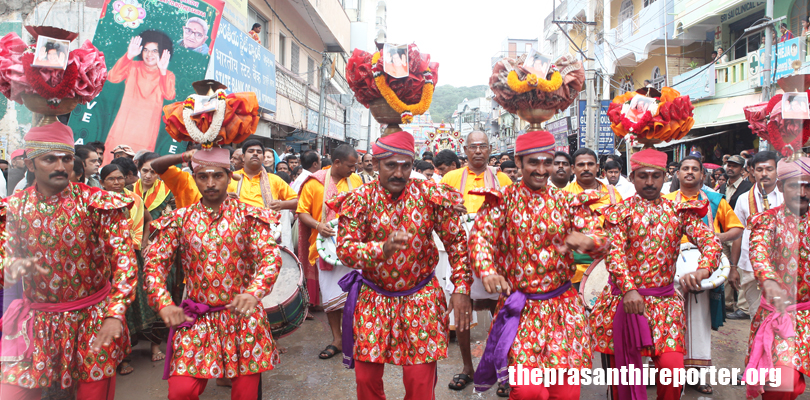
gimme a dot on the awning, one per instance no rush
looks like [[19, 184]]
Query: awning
[[725, 111], [688, 138]]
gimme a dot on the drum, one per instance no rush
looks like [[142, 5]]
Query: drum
[[286, 305], [688, 262], [593, 283], [327, 247]]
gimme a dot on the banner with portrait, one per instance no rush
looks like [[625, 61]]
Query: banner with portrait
[[154, 50]]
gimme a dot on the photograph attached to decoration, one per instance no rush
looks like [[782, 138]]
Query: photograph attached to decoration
[[51, 53], [795, 106], [638, 106], [396, 60], [537, 64], [204, 104]]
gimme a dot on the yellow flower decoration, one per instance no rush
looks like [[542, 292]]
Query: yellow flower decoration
[[532, 82]]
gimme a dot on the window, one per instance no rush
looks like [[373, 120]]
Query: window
[[311, 71], [554, 48], [282, 49], [648, 2], [627, 85], [512, 50], [255, 18], [658, 79], [528, 47], [294, 61]]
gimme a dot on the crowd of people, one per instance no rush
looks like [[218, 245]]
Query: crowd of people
[[179, 250]]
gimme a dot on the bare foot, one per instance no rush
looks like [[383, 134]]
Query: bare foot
[[281, 350], [224, 382]]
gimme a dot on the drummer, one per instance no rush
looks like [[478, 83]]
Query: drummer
[[644, 232], [727, 227], [221, 330], [475, 175], [314, 218], [541, 323]]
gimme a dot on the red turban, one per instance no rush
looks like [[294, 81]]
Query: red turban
[[17, 153], [649, 158], [52, 137], [792, 169], [395, 143], [534, 142], [215, 157]]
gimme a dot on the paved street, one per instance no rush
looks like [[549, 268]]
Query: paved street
[[302, 375]]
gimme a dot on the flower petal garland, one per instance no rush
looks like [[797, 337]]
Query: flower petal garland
[[83, 78], [556, 91], [208, 137], [671, 121], [241, 118], [409, 96]]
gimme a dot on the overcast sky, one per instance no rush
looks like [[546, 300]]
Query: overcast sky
[[462, 35]]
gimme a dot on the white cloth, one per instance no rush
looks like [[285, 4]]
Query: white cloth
[[417, 175], [21, 185], [698, 330], [437, 178], [332, 296], [775, 199], [3, 189], [625, 188], [286, 228], [298, 182], [443, 273]]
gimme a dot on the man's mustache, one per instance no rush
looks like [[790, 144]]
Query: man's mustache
[[649, 188], [57, 173], [397, 180]]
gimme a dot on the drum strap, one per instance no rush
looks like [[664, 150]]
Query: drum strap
[[328, 181], [753, 206], [612, 193]]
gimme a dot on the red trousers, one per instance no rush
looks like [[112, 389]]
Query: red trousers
[[96, 390], [669, 360], [245, 387], [792, 386], [562, 391], [419, 380]]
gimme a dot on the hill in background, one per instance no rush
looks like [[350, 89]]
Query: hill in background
[[447, 97]]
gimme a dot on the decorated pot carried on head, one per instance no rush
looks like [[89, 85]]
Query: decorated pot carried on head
[[50, 89], [536, 99], [213, 118], [393, 98], [783, 120], [650, 116]]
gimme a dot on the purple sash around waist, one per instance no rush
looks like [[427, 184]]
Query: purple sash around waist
[[631, 332], [193, 310], [351, 283], [495, 361]]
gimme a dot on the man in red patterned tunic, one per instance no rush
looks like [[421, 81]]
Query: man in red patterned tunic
[[521, 247], [71, 246], [645, 233], [780, 257], [230, 261], [395, 311]]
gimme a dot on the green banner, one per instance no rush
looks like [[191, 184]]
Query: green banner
[[154, 50]]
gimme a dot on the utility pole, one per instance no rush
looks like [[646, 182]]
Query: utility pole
[[322, 128], [591, 109], [368, 137], [766, 58]]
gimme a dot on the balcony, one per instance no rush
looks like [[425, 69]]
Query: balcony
[[633, 39], [329, 20]]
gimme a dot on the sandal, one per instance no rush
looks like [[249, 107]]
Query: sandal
[[503, 390], [329, 352], [125, 369], [705, 389], [158, 356], [460, 381]]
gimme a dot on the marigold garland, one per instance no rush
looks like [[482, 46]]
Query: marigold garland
[[532, 82], [407, 111], [54, 94]]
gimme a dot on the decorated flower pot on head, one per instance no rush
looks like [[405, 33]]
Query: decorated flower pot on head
[[650, 116], [50, 91], [233, 118], [536, 99], [392, 100], [766, 120]]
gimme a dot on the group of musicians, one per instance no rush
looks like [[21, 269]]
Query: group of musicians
[[71, 248]]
